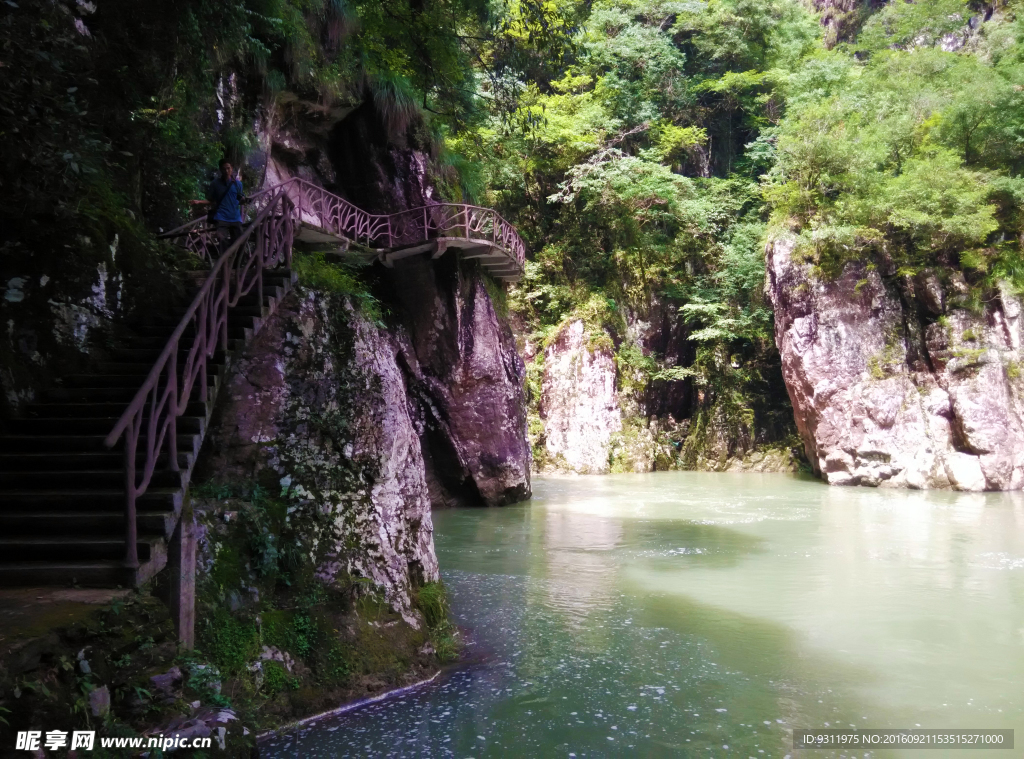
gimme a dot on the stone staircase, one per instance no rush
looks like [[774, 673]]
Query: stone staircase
[[68, 501], [62, 492]]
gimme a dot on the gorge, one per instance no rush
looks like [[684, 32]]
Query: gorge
[[714, 256]]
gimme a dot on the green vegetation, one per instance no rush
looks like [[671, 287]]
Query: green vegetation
[[272, 639], [638, 187], [432, 600], [894, 148], [317, 273], [658, 159]]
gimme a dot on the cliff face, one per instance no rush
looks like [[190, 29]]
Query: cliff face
[[457, 355], [466, 379], [319, 403], [894, 385], [579, 405], [600, 406]]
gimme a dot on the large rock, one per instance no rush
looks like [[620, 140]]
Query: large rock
[[458, 357], [579, 404], [466, 378], [883, 394], [319, 398]]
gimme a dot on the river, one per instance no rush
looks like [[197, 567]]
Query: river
[[693, 614]]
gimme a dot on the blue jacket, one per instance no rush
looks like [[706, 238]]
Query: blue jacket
[[229, 194]]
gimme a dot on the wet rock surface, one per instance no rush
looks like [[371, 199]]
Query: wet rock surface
[[892, 385]]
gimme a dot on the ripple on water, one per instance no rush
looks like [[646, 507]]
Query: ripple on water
[[561, 691], [677, 614]]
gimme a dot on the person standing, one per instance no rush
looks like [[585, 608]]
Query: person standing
[[224, 198]]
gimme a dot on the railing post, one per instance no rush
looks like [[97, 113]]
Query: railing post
[[131, 554], [223, 324], [172, 412], [289, 233], [203, 339], [264, 241]]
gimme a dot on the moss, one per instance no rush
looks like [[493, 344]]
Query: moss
[[276, 678], [969, 357], [317, 273], [498, 296], [721, 428], [230, 642], [125, 643], [432, 600], [344, 638]]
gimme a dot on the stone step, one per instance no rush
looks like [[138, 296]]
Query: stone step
[[101, 409], [68, 549], [149, 356], [159, 343], [62, 443], [89, 574], [82, 499], [121, 395], [90, 426], [131, 380], [62, 497], [62, 461], [83, 523], [92, 479]]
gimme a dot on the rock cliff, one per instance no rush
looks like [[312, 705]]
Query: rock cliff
[[601, 403], [319, 402], [466, 379], [457, 354], [579, 405], [895, 381]]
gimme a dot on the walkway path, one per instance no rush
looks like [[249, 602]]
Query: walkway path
[[93, 478]]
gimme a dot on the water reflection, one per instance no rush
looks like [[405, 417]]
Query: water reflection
[[685, 614], [581, 575]]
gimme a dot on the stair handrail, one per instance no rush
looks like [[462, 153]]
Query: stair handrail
[[235, 273], [388, 231], [279, 209]]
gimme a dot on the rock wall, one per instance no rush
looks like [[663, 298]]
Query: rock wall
[[466, 377], [895, 384], [457, 355], [599, 410], [579, 404], [319, 402]]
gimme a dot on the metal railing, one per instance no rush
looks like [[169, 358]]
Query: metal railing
[[319, 208], [265, 243]]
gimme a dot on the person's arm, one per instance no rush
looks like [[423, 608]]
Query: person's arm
[[209, 197]]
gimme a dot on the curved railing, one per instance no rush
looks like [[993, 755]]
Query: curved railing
[[320, 208], [266, 243]]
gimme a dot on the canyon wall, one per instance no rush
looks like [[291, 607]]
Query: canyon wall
[[319, 403], [600, 406], [458, 356], [899, 380]]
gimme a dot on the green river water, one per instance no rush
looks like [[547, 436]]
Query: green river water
[[693, 614]]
